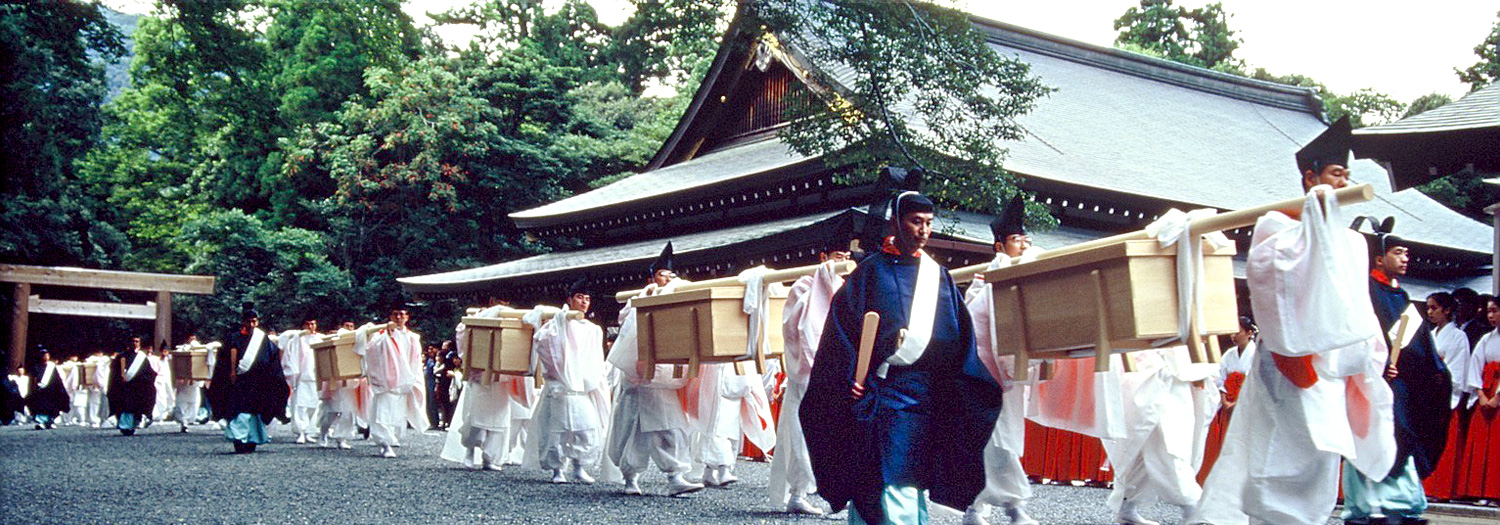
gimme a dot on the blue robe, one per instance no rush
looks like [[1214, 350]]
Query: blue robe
[[923, 425]]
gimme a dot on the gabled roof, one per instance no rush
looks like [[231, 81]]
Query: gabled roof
[[1462, 135]]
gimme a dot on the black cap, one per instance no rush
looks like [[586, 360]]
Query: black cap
[[581, 286], [892, 182], [247, 311], [1384, 239], [1331, 147], [663, 261], [909, 202], [1012, 219]]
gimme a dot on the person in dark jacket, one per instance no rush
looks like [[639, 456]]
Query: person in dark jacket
[[48, 398], [248, 388], [132, 387]]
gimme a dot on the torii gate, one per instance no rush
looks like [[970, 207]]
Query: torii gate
[[161, 310]]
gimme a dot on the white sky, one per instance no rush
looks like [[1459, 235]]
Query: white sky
[[1401, 48]]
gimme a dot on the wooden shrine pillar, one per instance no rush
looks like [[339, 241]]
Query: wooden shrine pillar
[[19, 315], [163, 320]]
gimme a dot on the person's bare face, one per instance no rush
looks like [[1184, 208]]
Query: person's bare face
[[1333, 175], [311, 325], [1242, 338], [663, 276], [1492, 313], [913, 232], [579, 302], [835, 256], [1393, 263], [400, 317], [1436, 313], [1014, 245], [135, 343]]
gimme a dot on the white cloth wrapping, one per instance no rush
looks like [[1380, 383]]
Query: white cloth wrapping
[[1175, 227], [806, 311], [1281, 453], [1234, 360]]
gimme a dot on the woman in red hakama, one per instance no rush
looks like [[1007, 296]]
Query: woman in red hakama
[[1480, 474]]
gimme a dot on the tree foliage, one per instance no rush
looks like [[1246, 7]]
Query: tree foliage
[[1487, 69], [1200, 37], [52, 88], [924, 88]]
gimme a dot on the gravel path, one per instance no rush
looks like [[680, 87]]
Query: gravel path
[[78, 475]]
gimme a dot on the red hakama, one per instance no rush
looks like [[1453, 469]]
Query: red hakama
[[1480, 477]]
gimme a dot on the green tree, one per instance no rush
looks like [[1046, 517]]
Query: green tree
[[668, 40], [282, 270], [430, 164], [923, 88], [1487, 70], [1200, 37], [1426, 103], [52, 88]]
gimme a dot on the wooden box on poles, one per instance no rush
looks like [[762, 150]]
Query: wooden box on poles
[[498, 346], [334, 359], [86, 371], [190, 365], [1118, 297], [707, 325]]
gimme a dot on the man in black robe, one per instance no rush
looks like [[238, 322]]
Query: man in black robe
[[916, 430], [1420, 388], [248, 388], [48, 397], [132, 387]]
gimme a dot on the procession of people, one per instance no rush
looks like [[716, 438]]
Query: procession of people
[[895, 399]]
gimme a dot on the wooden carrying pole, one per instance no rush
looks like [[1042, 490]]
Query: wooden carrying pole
[[773, 276], [513, 313], [1223, 221]]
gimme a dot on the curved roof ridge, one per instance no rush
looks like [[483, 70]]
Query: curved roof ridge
[[1159, 69]]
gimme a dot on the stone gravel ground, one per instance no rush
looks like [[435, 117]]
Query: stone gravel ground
[[85, 475]]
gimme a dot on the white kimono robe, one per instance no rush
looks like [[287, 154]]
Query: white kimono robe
[[1452, 345], [731, 406], [393, 366], [575, 402], [1280, 461], [650, 421], [166, 396], [298, 365], [1166, 425], [1005, 480], [806, 310], [483, 419]]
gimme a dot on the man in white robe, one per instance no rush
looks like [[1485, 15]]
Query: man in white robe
[[802, 327], [297, 363], [575, 399], [649, 423], [1167, 411], [1005, 482], [341, 406], [482, 422], [393, 366], [1314, 392], [166, 396], [189, 393]]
